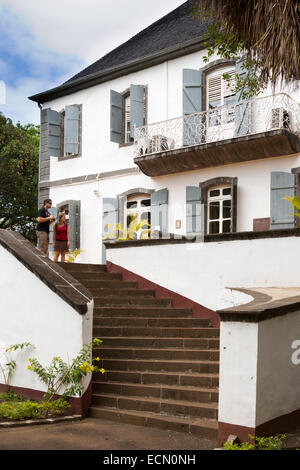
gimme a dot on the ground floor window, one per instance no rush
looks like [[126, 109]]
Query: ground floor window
[[219, 202], [138, 208]]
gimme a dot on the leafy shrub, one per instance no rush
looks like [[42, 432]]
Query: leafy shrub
[[27, 409], [260, 443]]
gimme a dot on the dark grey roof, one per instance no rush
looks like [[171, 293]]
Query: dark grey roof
[[175, 34]]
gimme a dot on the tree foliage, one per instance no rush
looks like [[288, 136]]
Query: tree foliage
[[266, 33], [19, 159]]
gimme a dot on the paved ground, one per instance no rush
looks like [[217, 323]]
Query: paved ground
[[94, 434]]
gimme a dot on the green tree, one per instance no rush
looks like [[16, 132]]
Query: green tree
[[19, 159]]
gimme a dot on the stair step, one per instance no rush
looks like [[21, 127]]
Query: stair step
[[134, 292], [149, 334], [115, 301], [155, 326], [157, 354], [157, 405], [150, 342], [110, 284], [83, 276], [156, 365], [204, 428], [165, 392], [203, 380], [140, 311], [78, 267]]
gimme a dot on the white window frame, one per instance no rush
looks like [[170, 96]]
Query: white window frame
[[127, 129], [218, 89], [139, 210], [220, 198]]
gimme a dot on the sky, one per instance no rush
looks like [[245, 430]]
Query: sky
[[44, 43]]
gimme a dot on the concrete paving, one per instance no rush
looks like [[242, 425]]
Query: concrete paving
[[96, 434]]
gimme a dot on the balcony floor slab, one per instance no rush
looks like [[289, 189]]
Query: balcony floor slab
[[275, 143]]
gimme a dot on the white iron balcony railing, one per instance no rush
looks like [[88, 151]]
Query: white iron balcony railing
[[254, 116]]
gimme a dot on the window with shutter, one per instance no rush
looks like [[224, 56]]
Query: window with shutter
[[64, 132], [220, 92], [128, 109]]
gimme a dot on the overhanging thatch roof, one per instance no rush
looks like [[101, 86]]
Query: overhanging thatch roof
[[269, 30]]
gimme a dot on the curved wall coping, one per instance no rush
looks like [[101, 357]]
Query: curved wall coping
[[50, 273], [262, 307]]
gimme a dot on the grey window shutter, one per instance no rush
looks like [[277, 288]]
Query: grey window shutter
[[74, 224], [159, 211], [137, 113], [193, 210], [282, 184], [116, 106], [44, 159], [242, 110], [71, 130], [109, 216], [53, 211], [54, 133], [192, 103]]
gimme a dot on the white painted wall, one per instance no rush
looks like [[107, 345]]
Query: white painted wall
[[32, 312], [253, 196], [203, 272], [278, 391], [238, 373], [258, 379]]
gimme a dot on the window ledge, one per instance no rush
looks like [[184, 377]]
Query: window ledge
[[68, 157]]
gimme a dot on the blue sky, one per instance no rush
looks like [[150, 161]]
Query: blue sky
[[42, 44]]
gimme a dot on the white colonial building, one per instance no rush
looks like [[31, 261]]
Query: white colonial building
[[154, 131]]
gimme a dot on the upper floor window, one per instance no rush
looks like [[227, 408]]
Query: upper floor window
[[220, 92], [128, 109], [64, 132]]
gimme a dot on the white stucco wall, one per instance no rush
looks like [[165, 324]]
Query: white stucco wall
[[259, 381], [31, 312], [203, 271], [238, 373], [278, 391], [253, 196]]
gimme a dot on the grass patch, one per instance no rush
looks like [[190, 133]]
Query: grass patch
[[14, 407]]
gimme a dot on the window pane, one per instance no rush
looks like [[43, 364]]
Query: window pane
[[214, 210], [226, 226], [146, 216], [214, 227], [131, 204], [214, 192], [145, 202], [226, 191], [227, 209]]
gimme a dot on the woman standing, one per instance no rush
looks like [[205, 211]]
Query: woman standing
[[61, 237]]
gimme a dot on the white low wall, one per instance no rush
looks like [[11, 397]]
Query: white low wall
[[259, 370], [31, 312], [205, 272]]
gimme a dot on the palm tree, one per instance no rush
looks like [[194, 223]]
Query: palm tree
[[268, 30]]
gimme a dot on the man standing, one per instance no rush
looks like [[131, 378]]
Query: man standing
[[42, 230]]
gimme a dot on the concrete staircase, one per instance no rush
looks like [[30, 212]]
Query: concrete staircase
[[162, 364]]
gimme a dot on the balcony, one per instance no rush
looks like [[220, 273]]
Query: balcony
[[248, 130]]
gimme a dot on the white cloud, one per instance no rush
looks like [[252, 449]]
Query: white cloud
[[88, 28], [58, 38], [17, 106]]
